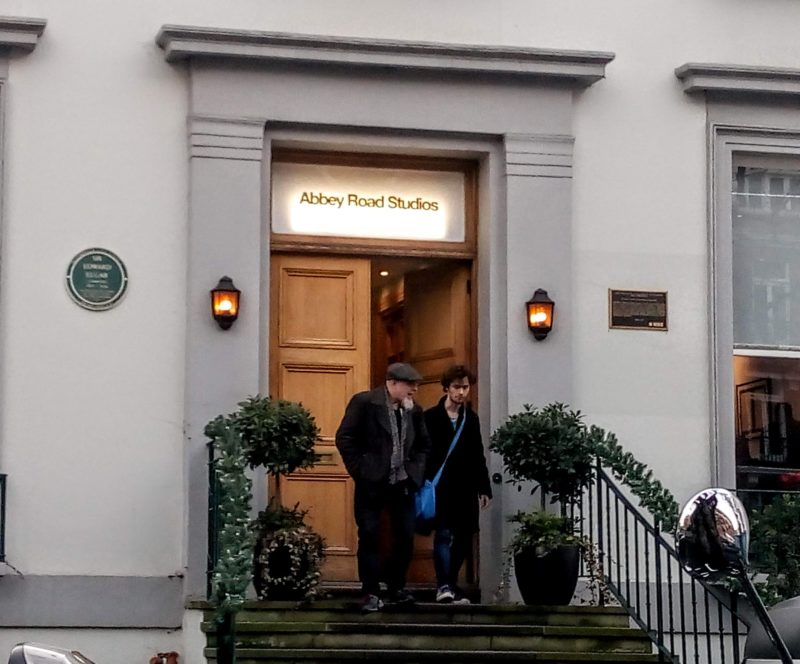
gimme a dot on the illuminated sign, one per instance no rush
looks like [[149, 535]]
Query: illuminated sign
[[347, 201]]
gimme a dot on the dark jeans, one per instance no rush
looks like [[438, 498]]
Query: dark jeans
[[370, 501], [450, 548]]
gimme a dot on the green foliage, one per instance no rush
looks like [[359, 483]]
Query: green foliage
[[541, 531], [652, 495], [553, 447], [550, 446], [277, 517], [234, 567], [277, 434], [775, 545]]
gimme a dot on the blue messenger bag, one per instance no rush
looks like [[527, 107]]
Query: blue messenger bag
[[426, 496]]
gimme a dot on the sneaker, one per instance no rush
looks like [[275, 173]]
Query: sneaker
[[445, 595], [461, 601], [371, 603], [401, 596]]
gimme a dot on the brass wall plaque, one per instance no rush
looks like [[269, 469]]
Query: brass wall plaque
[[637, 310]]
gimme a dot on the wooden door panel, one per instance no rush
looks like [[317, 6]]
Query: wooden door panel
[[329, 501], [318, 307], [320, 356]]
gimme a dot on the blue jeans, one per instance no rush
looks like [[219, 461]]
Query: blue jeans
[[450, 549]]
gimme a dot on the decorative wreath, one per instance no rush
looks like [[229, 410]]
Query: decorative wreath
[[288, 564]]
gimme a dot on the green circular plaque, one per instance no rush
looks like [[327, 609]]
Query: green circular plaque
[[96, 279]]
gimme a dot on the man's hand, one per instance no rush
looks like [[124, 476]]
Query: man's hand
[[484, 501]]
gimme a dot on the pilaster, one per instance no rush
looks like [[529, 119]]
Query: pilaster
[[538, 171], [226, 224]]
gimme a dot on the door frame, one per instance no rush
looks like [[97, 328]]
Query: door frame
[[366, 247]]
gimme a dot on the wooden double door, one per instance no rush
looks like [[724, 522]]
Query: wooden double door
[[325, 327]]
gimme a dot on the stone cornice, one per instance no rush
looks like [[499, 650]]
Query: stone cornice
[[20, 33], [738, 79], [578, 68]]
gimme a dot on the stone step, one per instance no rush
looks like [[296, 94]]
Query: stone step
[[345, 656], [340, 611], [423, 636]]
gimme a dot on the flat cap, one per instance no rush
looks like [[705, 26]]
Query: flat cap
[[404, 372]]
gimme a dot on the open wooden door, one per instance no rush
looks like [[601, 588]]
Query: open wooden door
[[320, 356], [437, 335], [437, 324]]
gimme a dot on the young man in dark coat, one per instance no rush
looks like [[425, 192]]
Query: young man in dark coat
[[384, 446], [464, 486]]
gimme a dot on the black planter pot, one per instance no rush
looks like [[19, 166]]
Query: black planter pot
[[548, 579]]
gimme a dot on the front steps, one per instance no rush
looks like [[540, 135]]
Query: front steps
[[335, 632]]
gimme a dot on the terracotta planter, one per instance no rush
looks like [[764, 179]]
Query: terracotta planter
[[549, 579]]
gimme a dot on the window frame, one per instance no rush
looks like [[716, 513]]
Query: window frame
[[727, 141]]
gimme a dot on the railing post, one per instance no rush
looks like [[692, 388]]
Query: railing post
[[213, 518], [659, 596], [600, 515]]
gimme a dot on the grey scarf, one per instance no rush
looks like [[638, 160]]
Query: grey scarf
[[397, 471]]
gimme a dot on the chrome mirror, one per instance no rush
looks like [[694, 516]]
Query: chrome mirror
[[36, 653], [713, 535]]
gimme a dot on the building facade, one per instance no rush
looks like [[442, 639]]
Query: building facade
[[640, 160]]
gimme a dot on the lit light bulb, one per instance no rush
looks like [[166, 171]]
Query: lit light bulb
[[538, 317], [384, 273], [225, 305]]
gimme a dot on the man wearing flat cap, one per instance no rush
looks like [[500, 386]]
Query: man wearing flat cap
[[384, 446]]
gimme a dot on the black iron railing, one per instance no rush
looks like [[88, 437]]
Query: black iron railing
[[687, 619], [213, 518], [2, 518]]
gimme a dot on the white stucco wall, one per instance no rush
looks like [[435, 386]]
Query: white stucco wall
[[91, 404]]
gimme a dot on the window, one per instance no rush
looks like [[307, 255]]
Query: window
[[765, 226]]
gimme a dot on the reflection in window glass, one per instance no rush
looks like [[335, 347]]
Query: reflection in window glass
[[767, 426]]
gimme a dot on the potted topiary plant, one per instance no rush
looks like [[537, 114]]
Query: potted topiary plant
[[288, 555], [279, 436], [553, 448]]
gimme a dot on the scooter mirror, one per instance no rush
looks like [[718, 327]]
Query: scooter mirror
[[36, 653], [713, 535]]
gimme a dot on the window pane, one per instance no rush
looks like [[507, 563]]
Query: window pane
[[766, 256], [767, 427]]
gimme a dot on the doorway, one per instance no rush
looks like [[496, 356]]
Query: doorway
[[336, 323]]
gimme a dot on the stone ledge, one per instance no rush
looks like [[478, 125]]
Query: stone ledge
[[20, 33], [738, 79], [577, 68]]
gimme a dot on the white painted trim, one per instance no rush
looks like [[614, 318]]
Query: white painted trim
[[578, 68], [768, 352]]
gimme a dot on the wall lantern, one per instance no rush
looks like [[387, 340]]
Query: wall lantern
[[540, 314], [225, 302]]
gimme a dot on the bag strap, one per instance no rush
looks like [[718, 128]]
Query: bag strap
[[435, 480]]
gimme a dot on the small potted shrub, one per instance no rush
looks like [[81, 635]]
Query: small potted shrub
[[288, 555], [552, 447]]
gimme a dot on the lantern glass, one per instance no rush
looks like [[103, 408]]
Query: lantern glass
[[539, 310], [225, 302]]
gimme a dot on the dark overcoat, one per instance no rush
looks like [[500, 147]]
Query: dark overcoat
[[465, 475], [364, 439]]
